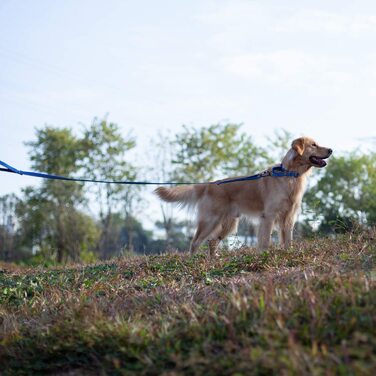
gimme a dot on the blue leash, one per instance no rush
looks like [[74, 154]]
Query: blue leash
[[14, 170], [277, 171]]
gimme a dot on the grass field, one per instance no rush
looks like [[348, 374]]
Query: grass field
[[307, 311]]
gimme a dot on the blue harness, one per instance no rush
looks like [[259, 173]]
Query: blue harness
[[278, 171]]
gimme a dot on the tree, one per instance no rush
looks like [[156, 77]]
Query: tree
[[105, 158], [120, 236], [345, 192], [162, 152], [135, 236], [8, 204], [49, 215], [177, 240], [215, 152], [278, 145]]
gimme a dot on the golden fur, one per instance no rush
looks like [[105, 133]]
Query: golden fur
[[274, 200]]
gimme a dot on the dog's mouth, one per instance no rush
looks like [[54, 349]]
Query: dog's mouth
[[317, 161]]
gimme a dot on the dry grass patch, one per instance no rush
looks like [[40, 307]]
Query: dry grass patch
[[309, 310]]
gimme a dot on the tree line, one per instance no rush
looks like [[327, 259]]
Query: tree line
[[59, 221]]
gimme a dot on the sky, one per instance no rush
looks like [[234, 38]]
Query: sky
[[306, 66]]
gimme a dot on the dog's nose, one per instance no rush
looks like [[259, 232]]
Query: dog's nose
[[330, 151]]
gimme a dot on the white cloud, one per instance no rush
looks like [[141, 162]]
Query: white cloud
[[316, 47], [253, 16], [237, 26], [292, 67], [232, 25], [234, 14], [319, 21]]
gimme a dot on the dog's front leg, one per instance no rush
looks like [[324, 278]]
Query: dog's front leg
[[264, 232], [287, 236], [213, 246], [286, 229]]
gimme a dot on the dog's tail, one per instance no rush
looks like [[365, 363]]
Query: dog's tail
[[185, 195]]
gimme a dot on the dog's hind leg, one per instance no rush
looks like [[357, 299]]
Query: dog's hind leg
[[204, 229], [229, 225]]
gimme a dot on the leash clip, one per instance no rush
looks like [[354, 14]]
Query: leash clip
[[265, 173]]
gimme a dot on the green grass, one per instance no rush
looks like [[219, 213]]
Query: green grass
[[310, 310]]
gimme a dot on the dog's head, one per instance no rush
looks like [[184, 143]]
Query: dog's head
[[305, 152]]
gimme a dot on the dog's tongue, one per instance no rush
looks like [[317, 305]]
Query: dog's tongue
[[318, 161]]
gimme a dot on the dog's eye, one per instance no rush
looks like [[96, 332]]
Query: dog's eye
[[314, 145]]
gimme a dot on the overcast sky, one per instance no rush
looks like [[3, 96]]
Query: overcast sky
[[306, 66]]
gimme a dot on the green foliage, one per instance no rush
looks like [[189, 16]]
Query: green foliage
[[54, 232], [177, 240], [214, 152], [134, 237], [55, 151], [278, 144], [105, 159], [105, 156], [345, 192], [8, 204], [49, 216]]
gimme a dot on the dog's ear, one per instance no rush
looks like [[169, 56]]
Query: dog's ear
[[298, 145]]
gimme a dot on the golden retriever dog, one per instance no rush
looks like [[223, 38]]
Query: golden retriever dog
[[274, 200]]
